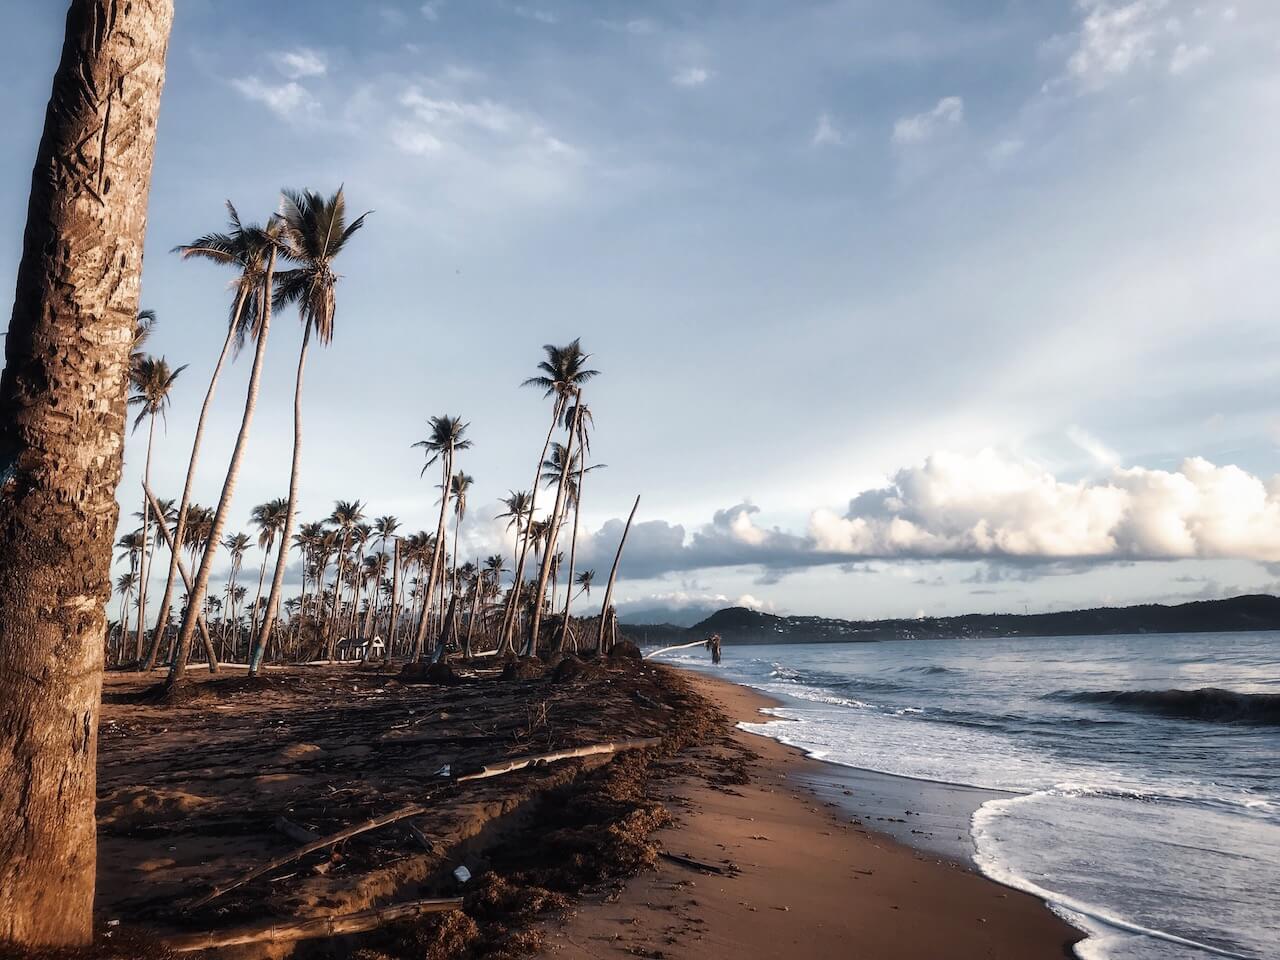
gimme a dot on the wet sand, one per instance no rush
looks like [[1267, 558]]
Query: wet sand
[[803, 877]]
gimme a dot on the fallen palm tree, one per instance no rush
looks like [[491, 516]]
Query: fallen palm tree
[[311, 928], [485, 771], [679, 646]]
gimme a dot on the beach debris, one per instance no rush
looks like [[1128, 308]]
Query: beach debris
[[693, 864], [310, 928], [462, 874], [296, 833], [414, 809]]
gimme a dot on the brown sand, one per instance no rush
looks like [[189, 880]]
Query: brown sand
[[811, 885]]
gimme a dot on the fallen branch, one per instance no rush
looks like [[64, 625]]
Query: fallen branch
[[309, 929], [693, 864], [520, 763], [413, 809], [679, 646]]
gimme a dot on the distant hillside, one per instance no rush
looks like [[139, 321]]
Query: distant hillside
[[740, 625]]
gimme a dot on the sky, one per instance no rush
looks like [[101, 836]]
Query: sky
[[901, 309]]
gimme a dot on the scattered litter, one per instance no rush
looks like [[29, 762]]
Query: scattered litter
[[462, 874]]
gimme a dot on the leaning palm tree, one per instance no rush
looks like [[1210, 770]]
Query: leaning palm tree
[[269, 519], [315, 232], [247, 250], [346, 515], [265, 243], [579, 416], [237, 545], [151, 380], [563, 373], [448, 436]]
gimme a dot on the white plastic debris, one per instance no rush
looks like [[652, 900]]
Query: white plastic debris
[[443, 771], [462, 874]]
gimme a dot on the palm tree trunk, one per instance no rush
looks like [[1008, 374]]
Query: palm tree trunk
[[337, 596], [508, 624], [257, 597], [393, 622], [613, 573], [163, 527], [277, 578], [142, 564], [573, 546], [548, 555], [436, 558], [62, 427], [181, 526], [201, 586]]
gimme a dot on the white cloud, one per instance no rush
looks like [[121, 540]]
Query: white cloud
[[989, 505], [1185, 57], [1113, 39], [691, 77], [1004, 151], [947, 114], [431, 10], [535, 13], [826, 133], [289, 100], [299, 63], [1095, 448]]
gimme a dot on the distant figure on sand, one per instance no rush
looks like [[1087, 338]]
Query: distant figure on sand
[[713, 644]]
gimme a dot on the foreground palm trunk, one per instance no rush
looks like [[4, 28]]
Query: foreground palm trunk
[[62, 425]]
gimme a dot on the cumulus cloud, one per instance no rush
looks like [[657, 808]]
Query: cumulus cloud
[[299, 63], [988, 505], [691, 77], [946, 115], [1185, 57], [1113, 39]]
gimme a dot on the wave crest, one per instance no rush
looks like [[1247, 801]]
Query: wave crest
[[1209, 704]]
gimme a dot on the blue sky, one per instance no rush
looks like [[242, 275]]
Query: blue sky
[[925, 306]]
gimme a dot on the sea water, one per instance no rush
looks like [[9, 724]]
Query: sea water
[[1143, 771]]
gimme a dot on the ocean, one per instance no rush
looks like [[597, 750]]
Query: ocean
[[1141, 774]]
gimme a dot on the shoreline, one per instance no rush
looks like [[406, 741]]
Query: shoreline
[[813, 875]]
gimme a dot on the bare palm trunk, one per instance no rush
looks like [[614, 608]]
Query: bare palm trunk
[[257, 597], [573, 547], [62, 427], [142, 565], [163, 526], [337, 597], [200, 588], [277, 578], [395, 598], [508, 625], [613, 574], [436, 558], [548, 555], [180, 527]]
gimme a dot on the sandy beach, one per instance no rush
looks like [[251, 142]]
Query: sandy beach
[[707, 842], [802, 880]]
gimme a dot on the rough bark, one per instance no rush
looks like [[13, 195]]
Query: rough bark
[[277, 578], [200, 588], [62, 427]]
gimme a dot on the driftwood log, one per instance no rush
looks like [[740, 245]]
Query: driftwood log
[[414, 809], [309, 929]]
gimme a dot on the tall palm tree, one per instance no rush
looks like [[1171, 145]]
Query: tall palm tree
[[269, 519], [346, 515], [260, 242], [575, 475], [144, 325], [246, 249], [315, 232], [237, 545], [62, 428], [448, 436], [585, 579], [151, 381], [458, 488], [126, 584], [563, 372]]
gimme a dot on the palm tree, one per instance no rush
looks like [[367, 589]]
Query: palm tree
[[579, 416], [269, 519], [315, 232], [258, 243], [62, 431], [447, 438], [237, 545], [584, 581], [563, 374], [151, 379], [247, 250], [126, 583], [458, 488], [143, 325], [346, 515]]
